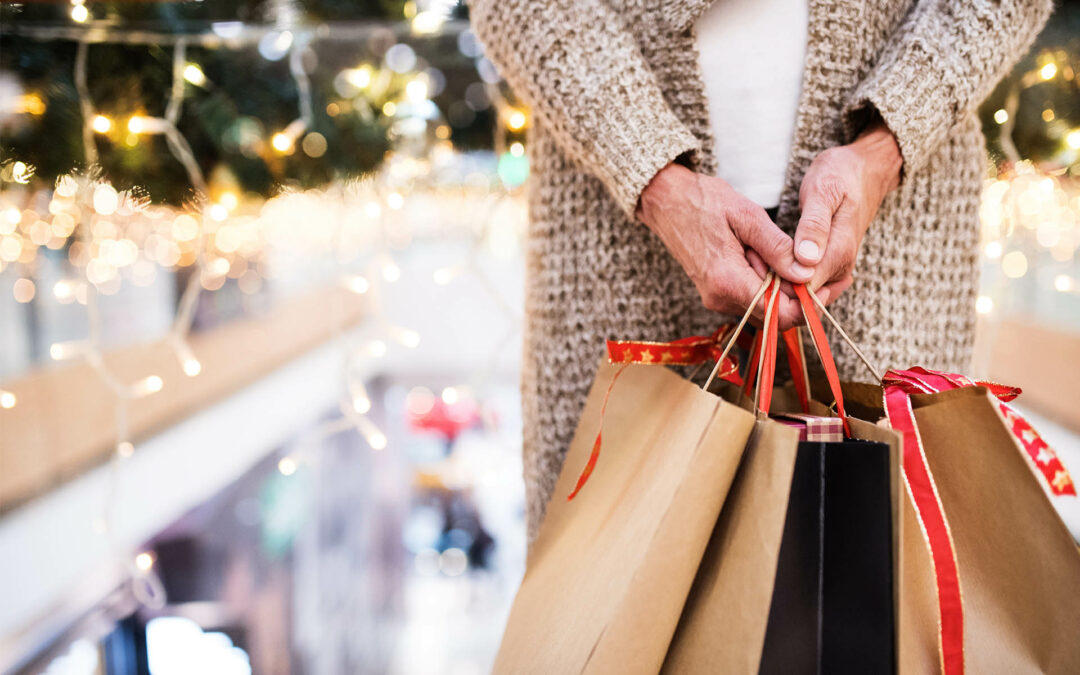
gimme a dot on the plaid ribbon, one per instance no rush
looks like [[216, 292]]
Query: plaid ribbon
[[814, 428]]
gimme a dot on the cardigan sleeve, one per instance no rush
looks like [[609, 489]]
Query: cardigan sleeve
[[941, 63], [584, 76]]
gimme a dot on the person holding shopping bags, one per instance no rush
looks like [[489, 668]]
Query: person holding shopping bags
[[681, 148]]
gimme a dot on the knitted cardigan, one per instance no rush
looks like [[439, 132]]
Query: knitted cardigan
[[616, 92]]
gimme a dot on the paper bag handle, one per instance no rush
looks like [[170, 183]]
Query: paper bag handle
[[765, 352], [797, 365], [770, 279], [821, 344]]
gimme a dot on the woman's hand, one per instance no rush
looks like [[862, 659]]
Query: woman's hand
[[840, 194], [709, 228]]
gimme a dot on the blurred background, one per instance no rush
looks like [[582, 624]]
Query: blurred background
[[260, 325]]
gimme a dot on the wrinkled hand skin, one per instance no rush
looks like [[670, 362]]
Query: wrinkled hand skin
[[711, 229], [840, 194]]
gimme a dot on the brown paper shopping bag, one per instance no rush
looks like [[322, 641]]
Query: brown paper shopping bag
[[1018, 565], [607, 577], [774, 591], [989, 574], [723, 626]]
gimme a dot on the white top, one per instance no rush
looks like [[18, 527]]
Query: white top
[[752, 54]]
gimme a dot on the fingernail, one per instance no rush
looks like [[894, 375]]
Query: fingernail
[[809, 250], [800, 270]]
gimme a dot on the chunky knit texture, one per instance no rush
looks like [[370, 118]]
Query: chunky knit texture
[[616, 93]]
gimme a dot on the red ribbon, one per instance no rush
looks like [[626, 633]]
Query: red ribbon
[[690, 351], [1043, 458], [899, 385], [931, 517], [821, 342], [793, 349], [793, 344]]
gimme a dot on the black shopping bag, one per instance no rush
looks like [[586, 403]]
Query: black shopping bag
[[832, 605]]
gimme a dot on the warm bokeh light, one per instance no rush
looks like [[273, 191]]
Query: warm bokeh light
[[101, 124], [144, 561], [194, 74], [1014, 264], [148, 385], [281, 142], [357, 284], [24, 290], [516, 120], [314, 145]]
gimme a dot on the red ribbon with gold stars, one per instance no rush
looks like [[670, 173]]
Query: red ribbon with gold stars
[[690, 351]]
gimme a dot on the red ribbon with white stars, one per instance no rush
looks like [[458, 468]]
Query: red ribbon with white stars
[[898, 386]]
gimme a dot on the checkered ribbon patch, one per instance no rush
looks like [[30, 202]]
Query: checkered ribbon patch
[[814, 428]]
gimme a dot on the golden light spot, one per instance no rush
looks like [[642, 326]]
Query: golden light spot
[[281, 142], [101, 124], [516, 121], [194, 74]]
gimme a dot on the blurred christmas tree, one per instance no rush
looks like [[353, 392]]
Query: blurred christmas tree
[[1034, 113], [238, 99]]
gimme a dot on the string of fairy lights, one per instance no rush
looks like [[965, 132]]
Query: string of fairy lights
[[1024, 202], [113, 236]]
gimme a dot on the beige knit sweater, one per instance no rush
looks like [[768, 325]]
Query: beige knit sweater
[[616, 92]]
